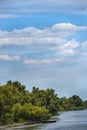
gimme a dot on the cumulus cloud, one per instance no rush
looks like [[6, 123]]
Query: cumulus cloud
[[68, 27], [67, 48], [28, 36], [54, 39], [72, 44], [9, 58]]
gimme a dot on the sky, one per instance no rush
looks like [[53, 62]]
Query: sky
[[44, 44]]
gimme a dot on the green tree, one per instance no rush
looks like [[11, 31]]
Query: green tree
[[19, 86], [76, 102], [85, 104]]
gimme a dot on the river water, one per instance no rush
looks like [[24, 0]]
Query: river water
[[71, 120]]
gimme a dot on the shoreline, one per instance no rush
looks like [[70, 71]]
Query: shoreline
[[20, 125], [26, 124]]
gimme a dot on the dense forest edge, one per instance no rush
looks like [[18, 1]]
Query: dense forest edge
[[20, 105]]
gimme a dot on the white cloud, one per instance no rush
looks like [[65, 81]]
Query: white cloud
[[68, 27], [15, 41], [3, 16], [67, 52], [44, 61], [30, 61], [46, 6], [9, 58], [67, 48], [84, 44], [53, 35], [54, 39], [70, 44], [55, 6], [29, 41]]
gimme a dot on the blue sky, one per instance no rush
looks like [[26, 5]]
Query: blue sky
[[44, 44]]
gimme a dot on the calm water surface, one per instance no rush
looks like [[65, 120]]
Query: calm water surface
[[72, 120]]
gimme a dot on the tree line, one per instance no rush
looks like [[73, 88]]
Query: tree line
[[20, 105]]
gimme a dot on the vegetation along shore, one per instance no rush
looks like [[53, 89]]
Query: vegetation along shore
[[18, 105]]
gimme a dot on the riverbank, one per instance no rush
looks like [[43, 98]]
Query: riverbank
[[70, 120], [26, 124], [19, 105], [19, 125]]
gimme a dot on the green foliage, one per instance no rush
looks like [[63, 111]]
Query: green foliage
[[28, 112], [85, 104], [47, 98], [72, 103], [19, 105], [20, 87], [76, 102], [16, 104]]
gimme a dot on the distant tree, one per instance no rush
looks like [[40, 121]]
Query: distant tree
[[20, 87], [9, 82], [76, 102], [85, 104]]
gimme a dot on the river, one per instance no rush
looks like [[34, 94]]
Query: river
[[71, 120]]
